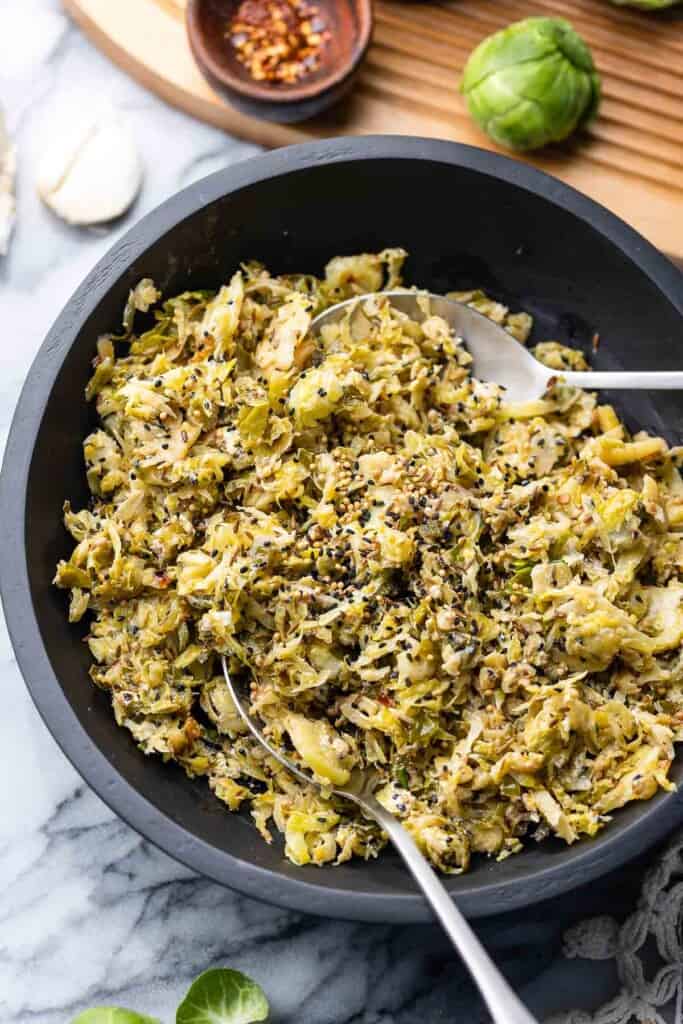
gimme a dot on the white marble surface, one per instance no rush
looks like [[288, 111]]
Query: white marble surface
[[89, 913]]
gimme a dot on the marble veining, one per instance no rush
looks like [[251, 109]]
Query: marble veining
[[89, 912]]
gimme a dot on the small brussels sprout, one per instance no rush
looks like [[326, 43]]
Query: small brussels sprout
[[532, 83], [647, 5]]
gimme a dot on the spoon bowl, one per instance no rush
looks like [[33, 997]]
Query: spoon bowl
[[361, 785], [496, 355]]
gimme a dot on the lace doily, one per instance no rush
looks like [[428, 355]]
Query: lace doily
[[653, 932]]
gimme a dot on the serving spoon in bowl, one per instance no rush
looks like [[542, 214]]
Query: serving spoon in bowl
[[504, 1005], [498, 357]]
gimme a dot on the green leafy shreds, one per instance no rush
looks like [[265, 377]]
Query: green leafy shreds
[[223, 996], [113, 1015], [479, 599]]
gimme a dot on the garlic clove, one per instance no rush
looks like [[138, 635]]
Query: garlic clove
[[7, 172], [92, 172]]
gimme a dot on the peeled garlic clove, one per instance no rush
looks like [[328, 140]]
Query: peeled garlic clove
[[7, 171], [91, 172]]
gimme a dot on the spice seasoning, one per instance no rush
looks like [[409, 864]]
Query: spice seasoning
[[278, 40]]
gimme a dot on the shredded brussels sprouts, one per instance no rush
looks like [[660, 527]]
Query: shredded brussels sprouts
[[480, 599]]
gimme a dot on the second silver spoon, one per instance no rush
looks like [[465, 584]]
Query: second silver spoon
[[504, 1005]]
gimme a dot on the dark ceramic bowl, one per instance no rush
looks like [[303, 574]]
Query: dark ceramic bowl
[[468, 218], [350, 25]]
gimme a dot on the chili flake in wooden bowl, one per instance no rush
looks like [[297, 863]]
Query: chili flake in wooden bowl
[[281, 60], [278, 40]]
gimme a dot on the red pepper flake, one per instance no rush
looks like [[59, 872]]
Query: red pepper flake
[[385, 699], [278, 40]]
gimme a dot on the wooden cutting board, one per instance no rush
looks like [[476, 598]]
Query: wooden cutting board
[[631, 160]]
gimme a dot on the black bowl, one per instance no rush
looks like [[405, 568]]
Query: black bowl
[[468, 218]]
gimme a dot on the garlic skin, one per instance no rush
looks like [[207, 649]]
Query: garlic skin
[[91, 171], [7, 172]]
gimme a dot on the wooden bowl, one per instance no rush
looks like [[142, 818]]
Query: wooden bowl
[[350, 25]]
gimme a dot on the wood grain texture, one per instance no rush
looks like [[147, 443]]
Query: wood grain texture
[[631, 159]]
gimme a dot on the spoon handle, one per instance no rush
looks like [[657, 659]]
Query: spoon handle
[[630, 380], [504, 1005]]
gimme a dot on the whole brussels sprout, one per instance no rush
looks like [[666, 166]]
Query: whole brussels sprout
[[532, 83], [647, 5]]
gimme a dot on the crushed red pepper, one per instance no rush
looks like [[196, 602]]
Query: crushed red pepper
[[278, 40]]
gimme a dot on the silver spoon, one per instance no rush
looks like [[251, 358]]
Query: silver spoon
[[498, 357], [503, 1004]]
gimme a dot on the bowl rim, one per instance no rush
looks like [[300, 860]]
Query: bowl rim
[[592, 858], [291, 94]]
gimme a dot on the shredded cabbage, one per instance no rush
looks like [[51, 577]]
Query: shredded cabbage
[[481, 600]]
